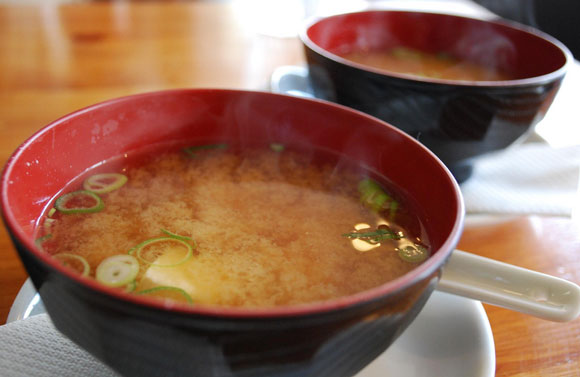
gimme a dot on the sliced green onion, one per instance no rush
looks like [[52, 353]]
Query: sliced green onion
[[276, 147], [104, 183], [192, 151], [117, 270], [379, 200], [180, 237], [48, 225], [141, 253], [51, 212], [131, 286], [160, 289], [373, 196], [374, 235], [76, 262], [393, 208], [413, 253], [76, 202], [39, 241]]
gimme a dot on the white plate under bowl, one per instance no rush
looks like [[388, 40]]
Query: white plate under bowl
[[451, 337]]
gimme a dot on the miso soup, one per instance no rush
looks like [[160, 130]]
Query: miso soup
[[424, 64], [244, 227]]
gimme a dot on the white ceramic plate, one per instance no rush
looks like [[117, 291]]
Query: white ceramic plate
[[451, 337]]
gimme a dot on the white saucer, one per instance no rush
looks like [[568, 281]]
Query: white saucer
[[451, 337]]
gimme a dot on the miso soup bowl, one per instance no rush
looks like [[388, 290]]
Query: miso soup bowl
[[140, 336], [458, 120]]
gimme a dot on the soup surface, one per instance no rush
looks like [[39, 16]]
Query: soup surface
[[219, 225], [414, 62]]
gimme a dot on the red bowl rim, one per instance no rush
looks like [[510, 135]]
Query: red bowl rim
[[536, 80], [426, 269]]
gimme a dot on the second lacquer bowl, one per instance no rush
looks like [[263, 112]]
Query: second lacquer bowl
[[457, 118]]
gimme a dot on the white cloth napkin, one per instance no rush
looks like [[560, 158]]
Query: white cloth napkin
[[34, 348], [527, 179]]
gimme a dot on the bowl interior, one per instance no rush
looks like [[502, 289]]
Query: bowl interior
[[57, 154], [522, 52]]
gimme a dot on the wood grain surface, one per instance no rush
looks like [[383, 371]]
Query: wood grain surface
[[55, 59]]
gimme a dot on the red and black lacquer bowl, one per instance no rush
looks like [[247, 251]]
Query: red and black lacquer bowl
[[457, 120], [138, 336]]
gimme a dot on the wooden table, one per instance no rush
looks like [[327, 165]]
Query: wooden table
[[56, 59]]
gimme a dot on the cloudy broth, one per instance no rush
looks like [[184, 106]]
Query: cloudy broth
[[432, 65], [221, 225]]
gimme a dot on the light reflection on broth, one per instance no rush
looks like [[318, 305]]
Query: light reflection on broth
[[252, 228], [362, 245], [418, 63]]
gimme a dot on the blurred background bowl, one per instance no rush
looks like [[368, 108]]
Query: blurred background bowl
[[457, 120]]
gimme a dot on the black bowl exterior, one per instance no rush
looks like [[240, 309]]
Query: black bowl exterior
[[457, 122], [136, 340]]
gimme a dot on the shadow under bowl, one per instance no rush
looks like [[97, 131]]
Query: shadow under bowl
[[457, 120], [141, 336]]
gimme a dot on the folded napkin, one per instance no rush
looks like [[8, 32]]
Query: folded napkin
[[527, 179], [34, 348]]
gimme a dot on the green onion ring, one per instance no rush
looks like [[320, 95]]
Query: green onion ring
[[179, 237], [117, 270], [138, 250], [98, 183], [66, 258], [166, 288], [413, 253], [131, 286], [39, 241], [60, 203]]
